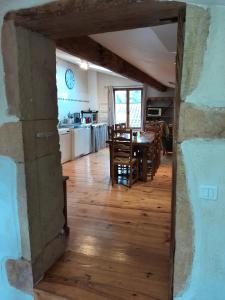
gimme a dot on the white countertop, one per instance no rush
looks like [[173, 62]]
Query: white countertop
[[70, 126]]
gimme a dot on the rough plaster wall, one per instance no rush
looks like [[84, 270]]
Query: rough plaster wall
[[10, 230], [200, 239]]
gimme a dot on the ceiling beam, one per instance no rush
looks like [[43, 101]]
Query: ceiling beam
[[88, 49], [71, 18]]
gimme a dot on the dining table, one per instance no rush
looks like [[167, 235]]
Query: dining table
[[140, 142]]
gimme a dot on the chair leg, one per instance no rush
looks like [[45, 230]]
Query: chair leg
[[137, 171], [130, 176], [113, 175]]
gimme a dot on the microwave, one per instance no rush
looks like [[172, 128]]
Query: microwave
[[154, 112]]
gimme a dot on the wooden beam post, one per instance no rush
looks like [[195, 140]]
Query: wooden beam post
[[86, 48], [71, 18]]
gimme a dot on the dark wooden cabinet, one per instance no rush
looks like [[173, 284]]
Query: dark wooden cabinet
[[165, 106]]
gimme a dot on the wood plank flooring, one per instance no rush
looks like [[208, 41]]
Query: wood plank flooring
[[118, 247]]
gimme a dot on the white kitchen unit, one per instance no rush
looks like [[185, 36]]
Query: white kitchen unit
[[65, 142], [81, 141]]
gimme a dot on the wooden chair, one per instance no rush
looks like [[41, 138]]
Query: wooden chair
[[122, 156], [110, 131], [110, 137], [166, 137], [154, 153]]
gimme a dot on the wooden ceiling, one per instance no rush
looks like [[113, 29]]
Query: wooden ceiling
[[65, 20], [72, 18]]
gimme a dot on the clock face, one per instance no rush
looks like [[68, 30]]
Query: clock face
[[69, 78]]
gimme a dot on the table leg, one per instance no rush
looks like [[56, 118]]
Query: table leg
[[111, 161], [144, 165]]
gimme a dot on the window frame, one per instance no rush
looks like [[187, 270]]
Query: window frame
[[128, 89]]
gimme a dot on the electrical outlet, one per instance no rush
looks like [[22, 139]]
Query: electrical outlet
[[208, 192]]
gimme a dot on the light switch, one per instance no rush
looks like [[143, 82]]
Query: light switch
[[208, 192]]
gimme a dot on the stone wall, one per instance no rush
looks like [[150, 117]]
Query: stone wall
[[15, 256], [31, 190], [200, 239], [29, 147]]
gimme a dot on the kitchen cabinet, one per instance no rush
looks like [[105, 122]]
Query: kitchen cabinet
[[65, 145], [99, 136], [81, 141]]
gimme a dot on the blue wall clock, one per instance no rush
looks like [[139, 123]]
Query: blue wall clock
[[70, 79]]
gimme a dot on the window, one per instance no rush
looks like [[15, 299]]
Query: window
[[128, 106]]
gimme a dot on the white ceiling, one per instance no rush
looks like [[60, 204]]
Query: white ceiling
[[77, 61], [151, 49]]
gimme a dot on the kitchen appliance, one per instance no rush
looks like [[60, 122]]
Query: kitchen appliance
[[81, 142], [88, 120], [91, 116], [65, 144], [154, 112], [77, 118]]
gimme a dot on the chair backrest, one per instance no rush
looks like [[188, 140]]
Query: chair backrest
[[152, 126], [110, 132], [157, 128], [122, 143]]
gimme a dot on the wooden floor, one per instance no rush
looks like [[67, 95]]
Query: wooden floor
[[119, 243]]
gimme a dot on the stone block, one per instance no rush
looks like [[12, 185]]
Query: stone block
[[45, 201], [40, 138], [200, 123], [51, 196], [10, 61], [196, 34], [34, 210], [23, 212], [37, 76], [43, 79], [50, 254]]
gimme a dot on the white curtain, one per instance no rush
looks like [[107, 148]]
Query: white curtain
[[111, 109], [143, 106]]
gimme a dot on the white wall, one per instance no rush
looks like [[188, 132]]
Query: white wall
[[76, 99], [203, 153], [90, 90], [93, 89], [104, 81]]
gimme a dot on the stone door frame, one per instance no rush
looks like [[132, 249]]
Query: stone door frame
[[16, 44]]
